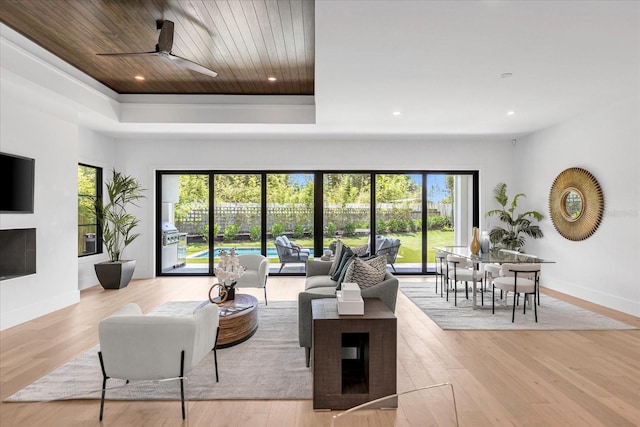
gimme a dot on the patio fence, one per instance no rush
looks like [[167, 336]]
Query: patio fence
[[246, 215]]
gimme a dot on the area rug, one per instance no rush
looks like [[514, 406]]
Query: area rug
[[553, 314], [270, 365]]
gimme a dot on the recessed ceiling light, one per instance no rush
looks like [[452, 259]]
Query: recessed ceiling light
[[139, 78], [396, 113], [271, 79], [506, 75], [510, 113]]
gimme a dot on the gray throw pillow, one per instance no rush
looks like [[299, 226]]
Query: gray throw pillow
[[336, 258], [366, 273], [345, 254]]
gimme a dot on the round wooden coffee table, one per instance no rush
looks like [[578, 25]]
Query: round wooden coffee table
[[237, 326]]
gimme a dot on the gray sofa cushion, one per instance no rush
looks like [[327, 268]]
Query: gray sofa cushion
[[315, 282]]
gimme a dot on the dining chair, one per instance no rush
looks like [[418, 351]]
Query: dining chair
[[519, 279], [530, 256], [458, 271]]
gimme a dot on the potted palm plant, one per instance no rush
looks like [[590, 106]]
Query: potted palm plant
[[516, 226], [118, 227]]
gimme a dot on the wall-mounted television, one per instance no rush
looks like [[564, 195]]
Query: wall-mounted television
[[17, 178]]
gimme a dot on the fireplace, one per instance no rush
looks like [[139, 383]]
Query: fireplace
[[17, 252]]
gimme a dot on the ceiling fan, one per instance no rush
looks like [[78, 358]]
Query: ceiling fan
[[163, 49]]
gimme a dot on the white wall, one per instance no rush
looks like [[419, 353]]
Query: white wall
[[29, 128], [603, 268], [96, 150], [141, 158]]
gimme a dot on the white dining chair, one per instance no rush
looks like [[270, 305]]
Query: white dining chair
[[519, 279], [458, 271]]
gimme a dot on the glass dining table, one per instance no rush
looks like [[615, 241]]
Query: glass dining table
[[494, 256]]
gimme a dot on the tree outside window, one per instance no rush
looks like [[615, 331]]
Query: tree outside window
[[89, 191]]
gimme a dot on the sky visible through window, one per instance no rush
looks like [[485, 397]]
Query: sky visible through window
[[436, 182]]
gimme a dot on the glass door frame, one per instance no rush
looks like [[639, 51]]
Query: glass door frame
[[318, 234]]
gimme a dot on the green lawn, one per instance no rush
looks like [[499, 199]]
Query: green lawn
[[410, 245]]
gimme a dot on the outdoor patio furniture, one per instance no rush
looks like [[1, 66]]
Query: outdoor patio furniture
[[389, 248], [290, 252]]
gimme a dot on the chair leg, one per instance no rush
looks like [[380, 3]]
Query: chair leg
[[513, 314], [447, 290], [394, 268], [466, 290], [493, 299], [281, 267], [455, 292], [215, 353], [104, 384], [535, 309], [307, 355], [265, 295], [182, 384]]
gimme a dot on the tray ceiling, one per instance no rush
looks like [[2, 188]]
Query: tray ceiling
[[245, 42]]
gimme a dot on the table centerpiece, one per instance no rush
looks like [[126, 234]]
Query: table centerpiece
[[228, 272]]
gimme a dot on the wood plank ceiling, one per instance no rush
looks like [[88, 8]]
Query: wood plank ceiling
[[244, 41]]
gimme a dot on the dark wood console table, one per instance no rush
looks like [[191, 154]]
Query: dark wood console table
[[354, 357]]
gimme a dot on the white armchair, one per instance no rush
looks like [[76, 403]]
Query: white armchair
[[137, 347], [255, 273]]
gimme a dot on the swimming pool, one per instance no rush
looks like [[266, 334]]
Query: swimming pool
[[271, 253]]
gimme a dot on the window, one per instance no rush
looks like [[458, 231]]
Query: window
[[402, 215], [89, 191]]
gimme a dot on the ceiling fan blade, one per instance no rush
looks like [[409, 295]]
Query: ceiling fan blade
[[192, 65], [165, 39], [154, 53]]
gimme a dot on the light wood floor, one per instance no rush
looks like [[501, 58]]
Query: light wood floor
[[520, 378]]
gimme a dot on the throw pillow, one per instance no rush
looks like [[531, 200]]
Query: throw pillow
[[367, 273], [345, 254], [336, 258], [360, 250], [345, 268]]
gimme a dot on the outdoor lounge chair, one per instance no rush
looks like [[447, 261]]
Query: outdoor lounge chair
[[289, 252], [389, 248]]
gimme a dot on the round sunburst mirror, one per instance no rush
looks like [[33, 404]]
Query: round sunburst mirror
[[576, 204]]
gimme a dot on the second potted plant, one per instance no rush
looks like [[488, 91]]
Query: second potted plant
[[118, 227], [516, 226]]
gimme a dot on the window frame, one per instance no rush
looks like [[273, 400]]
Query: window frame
[[97, 198]]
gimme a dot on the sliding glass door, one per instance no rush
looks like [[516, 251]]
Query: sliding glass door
[[184, 223], [400, 215], [346, 209], [237, 213], [290, 207], [452, 205], [399, 221]]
